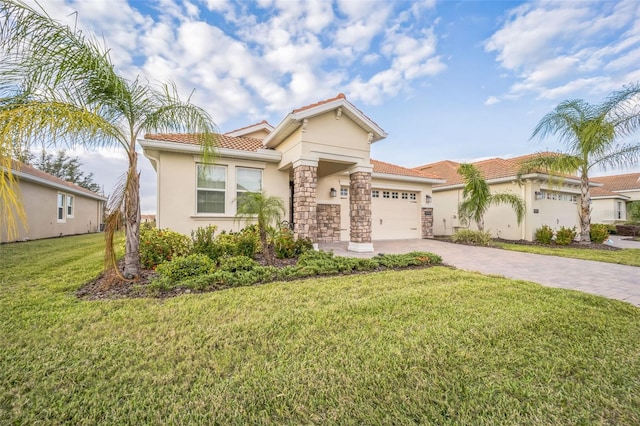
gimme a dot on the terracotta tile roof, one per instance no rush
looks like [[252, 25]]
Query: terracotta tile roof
[[326, 101], [493, 168], [599, 191], [223, 141], [392, 169], [247, 127], [626, 182], [32, 171]]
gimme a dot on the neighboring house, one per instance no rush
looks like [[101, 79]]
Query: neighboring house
[[317, 160], [609, 203], [549, 201], [54, 207]]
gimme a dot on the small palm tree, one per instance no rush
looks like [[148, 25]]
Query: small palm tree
[[477, 198], [590, 134], [264, 211], [58, 86]]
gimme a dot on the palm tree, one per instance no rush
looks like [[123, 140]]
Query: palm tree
[[59, 87], [589, 134], [265, 210], [477, 198]]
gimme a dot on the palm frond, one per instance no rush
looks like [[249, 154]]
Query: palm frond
[[514, 201], [623, 155], [11, 210]]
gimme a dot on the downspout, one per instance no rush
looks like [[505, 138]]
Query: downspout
[[156, 161]]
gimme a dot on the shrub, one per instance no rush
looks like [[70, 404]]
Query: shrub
[[238, 263], [633, 211], [467, 236], [183, 267], [544, 234], [160, 245], [247, 241], [565, 236], [599, 232], [203, 239], [286, 246]]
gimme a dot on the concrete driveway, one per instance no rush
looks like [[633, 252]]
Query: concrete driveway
[[604, 279]]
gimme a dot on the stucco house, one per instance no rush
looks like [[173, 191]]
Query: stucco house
[[317, 160], [53, 206], [609, 202], [549, 201]]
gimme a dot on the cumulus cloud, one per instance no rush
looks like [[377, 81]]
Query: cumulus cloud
[[555, 48]]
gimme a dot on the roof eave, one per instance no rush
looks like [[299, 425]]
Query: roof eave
[[406, 178], [55, 185], [260, 154]]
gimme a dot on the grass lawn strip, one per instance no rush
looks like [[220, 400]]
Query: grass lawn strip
[[430, 346], [629, 257]]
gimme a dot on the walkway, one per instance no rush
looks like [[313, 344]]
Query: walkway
[[604, 279]]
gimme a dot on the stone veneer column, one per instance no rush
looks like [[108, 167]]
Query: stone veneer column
[[360, 212], [427, 222], [305, 180]]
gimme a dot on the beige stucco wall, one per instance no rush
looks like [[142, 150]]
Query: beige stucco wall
[[501, 220], [328, 137], [176, 174], [605, 210], [40, 205]]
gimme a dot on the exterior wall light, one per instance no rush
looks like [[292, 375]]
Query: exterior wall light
[[427, 199], [333, 192], [539, 195]]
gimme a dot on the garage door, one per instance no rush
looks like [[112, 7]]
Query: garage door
[[394, 215]]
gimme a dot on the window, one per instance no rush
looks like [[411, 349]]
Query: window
[[385, 194], [394, 195], [69, 205], [412, 196], [375, 193], [247, 180], [61, 206], [405, 196], [210, 187], [344, 192], [619, 210]]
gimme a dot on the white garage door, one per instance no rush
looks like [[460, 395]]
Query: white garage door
[[394, 215]]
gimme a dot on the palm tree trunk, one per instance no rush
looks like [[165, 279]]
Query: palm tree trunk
[[480, 224], [132, 219], [585, 210], [266, 249]]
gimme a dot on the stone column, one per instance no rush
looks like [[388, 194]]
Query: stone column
[[305, 180], [427, 222], [360, 212]]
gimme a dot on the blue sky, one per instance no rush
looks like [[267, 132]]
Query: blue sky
[[458, 80]]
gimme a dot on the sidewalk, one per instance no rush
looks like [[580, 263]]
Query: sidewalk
[[610, 280]]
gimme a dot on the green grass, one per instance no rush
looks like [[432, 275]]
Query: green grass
[[629, 257], [435, 346]]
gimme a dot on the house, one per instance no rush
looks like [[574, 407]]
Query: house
[[317, 160], [549, 200], [609, 202], [53, 206]]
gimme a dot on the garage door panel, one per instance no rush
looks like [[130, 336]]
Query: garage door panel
[[394, 218]]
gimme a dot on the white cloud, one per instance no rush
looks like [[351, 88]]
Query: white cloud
[[557, 49], [491, 100]]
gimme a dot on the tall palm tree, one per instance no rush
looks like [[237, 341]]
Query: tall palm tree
[[58, 86], [264, 210], [590, 134], [477, 198]]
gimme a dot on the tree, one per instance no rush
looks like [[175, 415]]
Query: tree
[[67, 168], [57, 86], [589, 134], [633, 211], [477, 198], [265, 210]]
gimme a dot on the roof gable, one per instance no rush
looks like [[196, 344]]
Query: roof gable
[[263, 126], [340, 104]]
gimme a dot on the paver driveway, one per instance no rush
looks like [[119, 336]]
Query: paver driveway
[[604, 279]]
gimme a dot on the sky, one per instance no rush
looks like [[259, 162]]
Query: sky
[[447, 80]]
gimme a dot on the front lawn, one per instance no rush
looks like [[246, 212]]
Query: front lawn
[[433, 345]]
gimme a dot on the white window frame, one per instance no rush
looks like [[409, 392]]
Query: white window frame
[[344, 192], [70, 206], [239, 191], [223, 190], [61, 210]]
